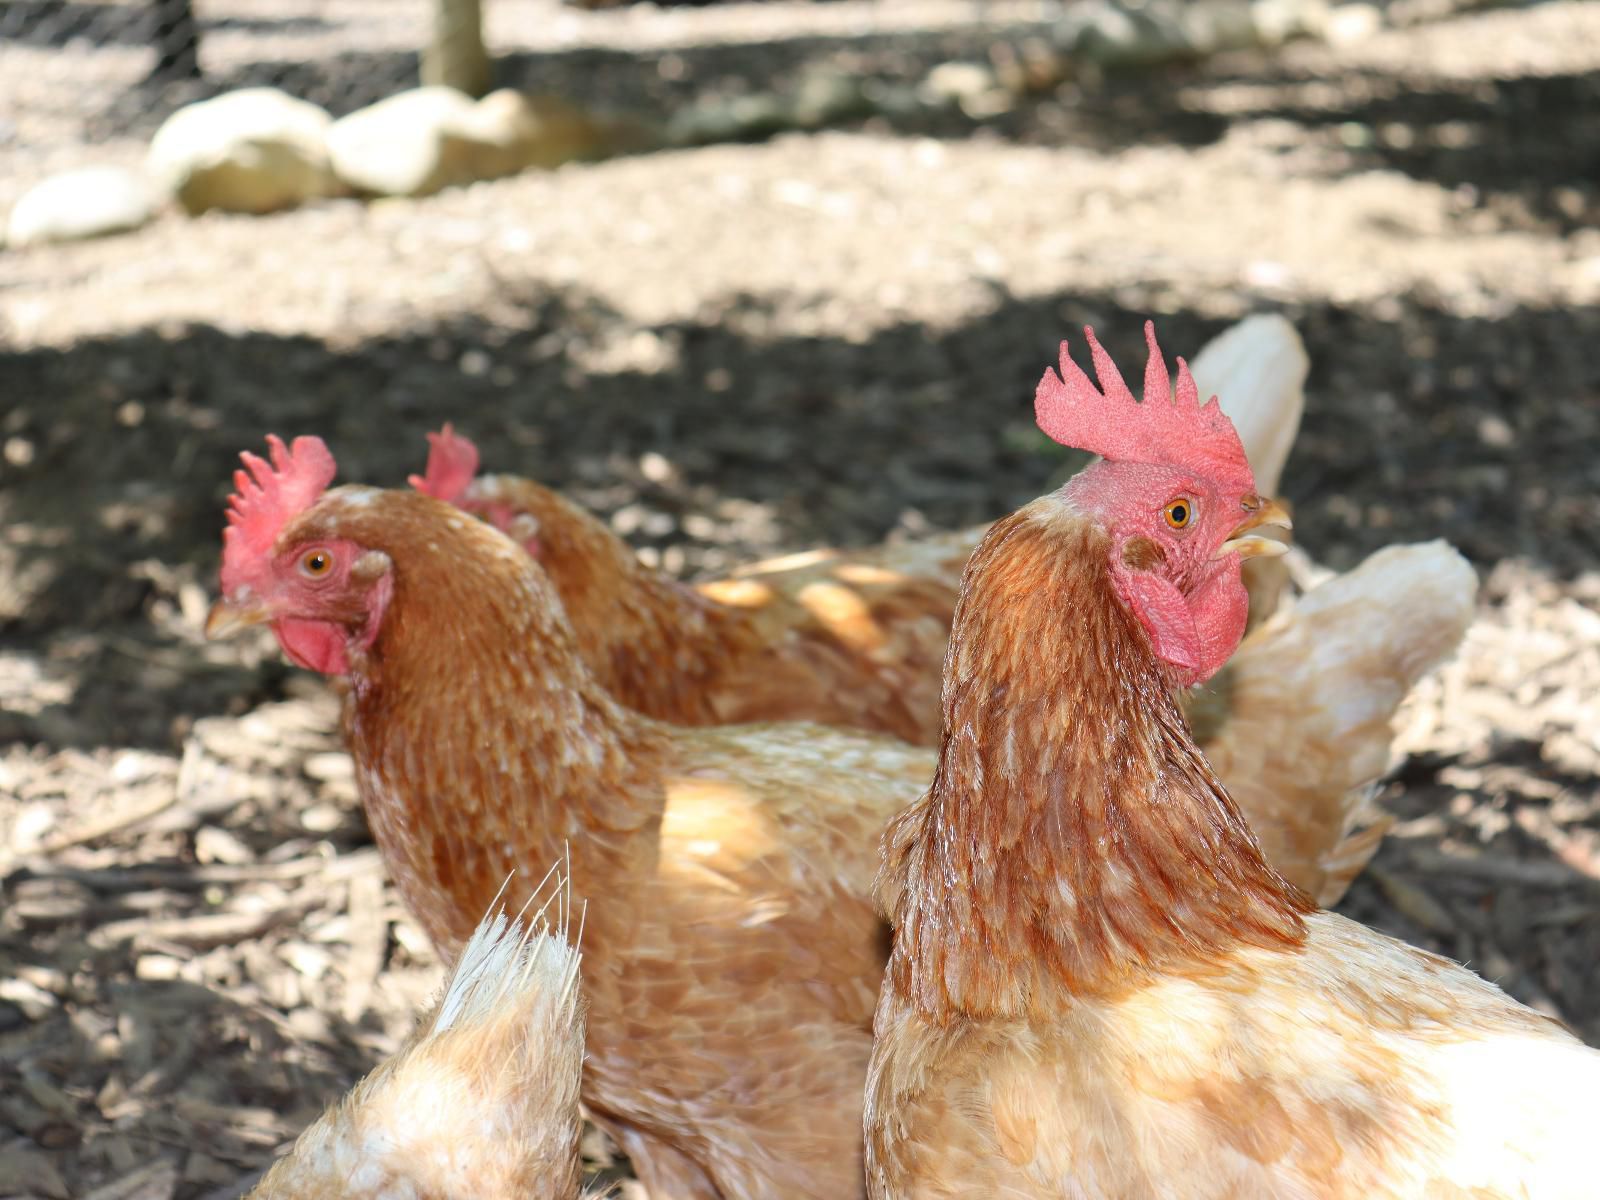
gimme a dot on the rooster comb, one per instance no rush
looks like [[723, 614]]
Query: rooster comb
[[266, 496], [452, 462], [1171, 430]]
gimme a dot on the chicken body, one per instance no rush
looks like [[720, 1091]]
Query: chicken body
[[482, 1100], [1099, 988], [1352, 1068]]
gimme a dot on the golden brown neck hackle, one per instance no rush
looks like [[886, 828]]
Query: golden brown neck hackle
[[473, 721], [1074, 838]]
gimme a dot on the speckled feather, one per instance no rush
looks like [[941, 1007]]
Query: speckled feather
[[1099, 990]]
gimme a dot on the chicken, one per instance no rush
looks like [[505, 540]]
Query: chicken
[[1099, 987], [732, 950], [851, 638], [482, 1100]]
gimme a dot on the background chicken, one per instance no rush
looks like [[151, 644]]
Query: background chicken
[[481, 1101], [1298, 723], [1099, 987]]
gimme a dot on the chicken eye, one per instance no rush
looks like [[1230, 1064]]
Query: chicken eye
[[316, 563], [1179, 512]]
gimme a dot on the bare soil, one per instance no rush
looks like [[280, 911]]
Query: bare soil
[[736, 351]]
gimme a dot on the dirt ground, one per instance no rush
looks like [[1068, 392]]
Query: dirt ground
[[737, 351]]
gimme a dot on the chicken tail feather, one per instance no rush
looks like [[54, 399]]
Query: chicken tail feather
[[1304, 730], [483, 1097]]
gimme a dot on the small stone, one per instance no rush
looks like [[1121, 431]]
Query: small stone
[[19, 451], [307, 960], [1351, 23], [655, 467], [79, 204], [214, 845], [1354, 135], [1494, 431], [321, 818], [955, 82], [332, 766], [33, 822], [159, 968], [34, 1002]]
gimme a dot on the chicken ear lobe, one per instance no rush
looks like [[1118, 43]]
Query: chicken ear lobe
[[1166, 617]]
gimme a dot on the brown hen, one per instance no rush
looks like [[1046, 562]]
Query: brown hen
[[732, 952], [1099, 986]]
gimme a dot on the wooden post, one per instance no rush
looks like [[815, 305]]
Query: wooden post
[[176, 38], [456, 57]]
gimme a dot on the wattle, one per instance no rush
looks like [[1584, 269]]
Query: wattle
[[314, 645]]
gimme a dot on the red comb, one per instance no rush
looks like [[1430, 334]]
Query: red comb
[[266, 497], [1179, 432], [452, 462]]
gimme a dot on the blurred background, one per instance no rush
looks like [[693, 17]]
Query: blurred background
[[746, 278]]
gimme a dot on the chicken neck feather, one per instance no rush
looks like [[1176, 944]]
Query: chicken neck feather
[[1072, 831]]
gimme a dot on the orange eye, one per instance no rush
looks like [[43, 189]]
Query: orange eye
[[1179, 512], [316, 563]]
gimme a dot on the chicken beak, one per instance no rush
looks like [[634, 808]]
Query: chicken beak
[[229, 616], [1247, 544]]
